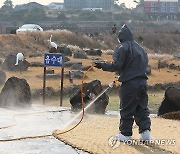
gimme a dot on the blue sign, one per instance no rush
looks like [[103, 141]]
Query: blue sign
[[53, 60]]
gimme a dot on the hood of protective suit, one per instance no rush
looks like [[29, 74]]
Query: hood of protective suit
[[125, 34]]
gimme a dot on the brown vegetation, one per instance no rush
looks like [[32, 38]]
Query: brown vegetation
[[160, 42], [30, 43], [105, 77]]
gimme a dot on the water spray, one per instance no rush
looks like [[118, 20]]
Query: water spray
[[82, 113], [88, 106]]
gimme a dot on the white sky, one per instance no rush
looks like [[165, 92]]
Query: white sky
[[129, 3]]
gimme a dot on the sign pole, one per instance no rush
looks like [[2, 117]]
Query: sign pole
[[44, 85], [58, 61], [62, 82]]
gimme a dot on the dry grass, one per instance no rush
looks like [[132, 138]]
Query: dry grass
[[18, 43], [161, 42], [105, 77], [29, 43]]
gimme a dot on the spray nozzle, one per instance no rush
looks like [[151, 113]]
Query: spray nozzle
[[112, 84]]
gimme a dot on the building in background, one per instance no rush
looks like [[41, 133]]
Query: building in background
[[89, 4], [161, 9]]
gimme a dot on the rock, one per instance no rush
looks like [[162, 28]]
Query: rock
[[2, 77], [164, 86], [148, 70], [64, 50], [173, 95], [15, 93], [80, 55], [75, 74], [85, 68], [50, 76], [76, 67], [172, 115], [163, 64], [66, 59], [70, 63], [176, 55], [53, 76], [174, 67], [171, 102], [10, 61], [94, 52], [95, 59], [49, 71], [91, 90], [53, 50]]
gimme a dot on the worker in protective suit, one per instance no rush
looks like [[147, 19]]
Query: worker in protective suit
[[130, 62]]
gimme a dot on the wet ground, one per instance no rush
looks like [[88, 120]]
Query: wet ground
[[39, 120]]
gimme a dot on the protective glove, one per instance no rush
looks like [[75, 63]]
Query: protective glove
[[98, 65]]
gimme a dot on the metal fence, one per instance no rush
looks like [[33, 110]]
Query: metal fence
[[94, 29], [8, 30]]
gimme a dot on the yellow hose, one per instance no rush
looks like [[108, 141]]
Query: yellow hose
[[82, 100], [63, 132]]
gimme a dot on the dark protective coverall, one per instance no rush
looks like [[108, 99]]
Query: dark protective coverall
[[130, 61]]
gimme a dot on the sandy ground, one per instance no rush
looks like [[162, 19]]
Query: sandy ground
[[94, 135]]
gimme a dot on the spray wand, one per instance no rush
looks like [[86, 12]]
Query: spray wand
[[55, 133]]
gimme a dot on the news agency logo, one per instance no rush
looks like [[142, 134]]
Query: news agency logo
[[115, 143]]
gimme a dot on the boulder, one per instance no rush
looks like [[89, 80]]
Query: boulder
[[76, 67], [163, 64], [49, 71], [91, 91], [80, 55], [174, 67], [10, 61], [171, 102], [2, 77], [64, 49], [94, 52], [49, 76], [85, 68], [66, 59], [15, 93], [95, 59], [75, 74], [172, 115], [53, 50], [70, 63]]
